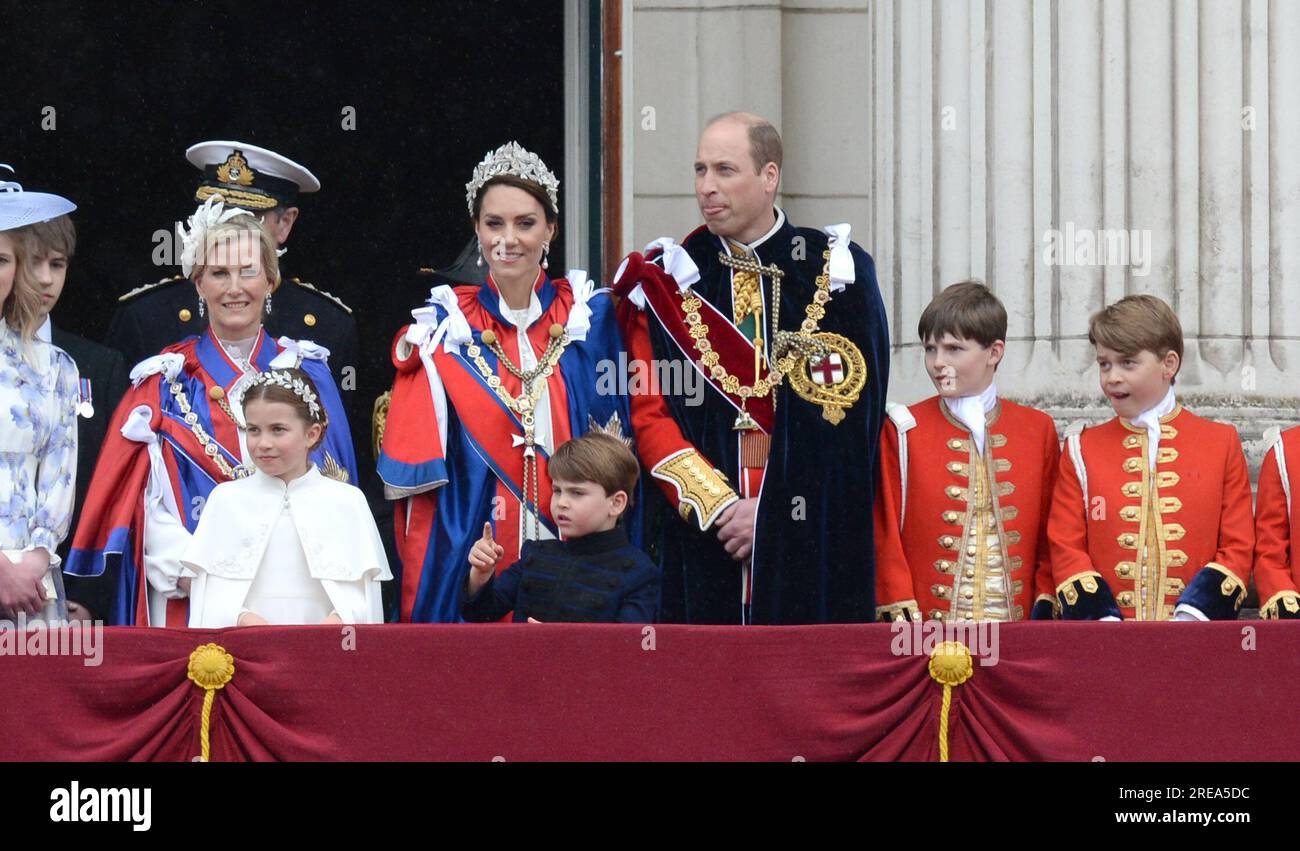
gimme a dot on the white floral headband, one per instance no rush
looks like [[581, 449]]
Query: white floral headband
[[210, 213], [293, 384]]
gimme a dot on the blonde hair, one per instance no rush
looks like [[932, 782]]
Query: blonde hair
[[22, 308], [232, 231]]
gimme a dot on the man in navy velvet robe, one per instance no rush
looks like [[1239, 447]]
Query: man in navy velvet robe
[[772, 470]]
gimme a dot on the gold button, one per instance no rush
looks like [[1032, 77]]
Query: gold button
[[489, 337], [309, 320], [557, 331], [970, 573], [953, 492], [185, 314], [970, 551], [946, 542], [216, 394], [969, 594]]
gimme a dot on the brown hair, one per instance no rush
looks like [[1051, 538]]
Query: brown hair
[[968, 310], [596, 457], [45, 238], [1138, 323], [764, 140], [531, 187], [264, 392]]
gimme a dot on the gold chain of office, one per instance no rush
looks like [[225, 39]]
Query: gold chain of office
[[205, 440], [786, 345], [525, 405]]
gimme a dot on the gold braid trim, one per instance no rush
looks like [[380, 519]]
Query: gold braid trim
[[247, 200], [1055, 601], [1289, 599], [1088, 579], [700, 488], [379, 419], [1232, 585], [903, 610]]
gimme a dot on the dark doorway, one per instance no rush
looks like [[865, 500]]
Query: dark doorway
[[434, 86]]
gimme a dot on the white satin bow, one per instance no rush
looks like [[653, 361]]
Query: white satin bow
[[841, 268]]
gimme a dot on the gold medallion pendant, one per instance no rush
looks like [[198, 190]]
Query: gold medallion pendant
[[834, 379]]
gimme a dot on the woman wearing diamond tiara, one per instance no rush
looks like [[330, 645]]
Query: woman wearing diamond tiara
[[178, 432], [285, 545], [38, 437], [490, 379]]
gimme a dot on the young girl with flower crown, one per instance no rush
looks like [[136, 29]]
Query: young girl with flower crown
[[285, 545]]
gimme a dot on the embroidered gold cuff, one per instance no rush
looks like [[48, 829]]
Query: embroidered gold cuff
[[903, 610], [1087, 579], [1232, 585], [1285, 599], [701, 489]]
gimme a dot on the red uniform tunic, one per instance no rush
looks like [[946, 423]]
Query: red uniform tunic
[[928, 556], [1275, 528], [1132, 541]]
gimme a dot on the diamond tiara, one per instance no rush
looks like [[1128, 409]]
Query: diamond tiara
[[511, 158]]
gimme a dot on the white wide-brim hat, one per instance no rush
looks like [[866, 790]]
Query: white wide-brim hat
[[19, 208]]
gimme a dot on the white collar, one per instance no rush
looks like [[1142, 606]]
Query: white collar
[[972, 411], [780, 221], [45, 333], [524, 318], [1150, 420], [275, 483]]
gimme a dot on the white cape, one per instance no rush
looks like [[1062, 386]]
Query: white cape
[[335, 529]]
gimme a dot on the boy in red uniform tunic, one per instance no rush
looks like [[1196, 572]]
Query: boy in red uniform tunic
[[1275, 527], [1151, 517], [966, 480]]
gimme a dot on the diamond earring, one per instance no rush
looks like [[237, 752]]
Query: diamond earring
[[268, 304], [480, 255], [546, 255], [200, 307]]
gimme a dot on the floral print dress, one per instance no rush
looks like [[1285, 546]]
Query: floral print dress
[[39, 394]]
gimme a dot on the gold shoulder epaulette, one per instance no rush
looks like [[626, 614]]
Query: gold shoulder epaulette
[[138, 290], [329, 296]]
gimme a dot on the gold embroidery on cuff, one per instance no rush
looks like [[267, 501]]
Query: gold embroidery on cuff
[[1232, 586], [1288, 598], [903, 610], [1087, 579], [700, 488]]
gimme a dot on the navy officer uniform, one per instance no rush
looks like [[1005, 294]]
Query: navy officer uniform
[[156, 315]]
